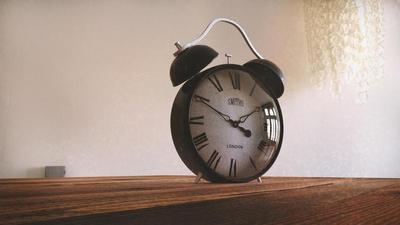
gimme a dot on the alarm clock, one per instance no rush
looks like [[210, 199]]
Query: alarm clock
[[226, 122]]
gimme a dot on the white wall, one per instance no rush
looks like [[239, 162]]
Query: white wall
[[85, 84]]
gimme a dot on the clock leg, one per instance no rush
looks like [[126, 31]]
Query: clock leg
[[198, 178], [259, 180]]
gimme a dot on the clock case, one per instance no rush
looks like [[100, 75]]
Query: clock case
[[180, 129]]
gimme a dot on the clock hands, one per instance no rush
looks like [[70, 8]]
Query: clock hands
[[227, 118], [244, 118], [246, 132], [224, 116]]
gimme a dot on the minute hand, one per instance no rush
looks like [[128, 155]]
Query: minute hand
[[224, 116]]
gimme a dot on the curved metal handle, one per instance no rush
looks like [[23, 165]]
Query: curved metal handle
[[207, 30]]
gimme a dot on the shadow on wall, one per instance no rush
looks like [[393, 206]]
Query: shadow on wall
[[35, 172]]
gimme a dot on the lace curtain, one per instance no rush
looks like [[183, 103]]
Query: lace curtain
[[344, 40]]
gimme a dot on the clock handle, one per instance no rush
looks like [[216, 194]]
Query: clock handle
[[207, 30]]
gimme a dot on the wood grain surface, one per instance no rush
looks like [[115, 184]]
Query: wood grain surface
[[177, 200]]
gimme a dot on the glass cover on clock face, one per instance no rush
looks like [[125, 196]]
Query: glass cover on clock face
[[234, 124]]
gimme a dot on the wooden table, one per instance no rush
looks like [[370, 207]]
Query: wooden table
[[177, 200]]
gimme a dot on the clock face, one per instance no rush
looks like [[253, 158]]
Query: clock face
[[235, 124]]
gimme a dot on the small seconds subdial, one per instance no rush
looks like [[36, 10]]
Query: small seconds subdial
[[234, 124]]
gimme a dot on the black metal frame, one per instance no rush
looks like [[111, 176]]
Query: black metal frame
[[180, 129]]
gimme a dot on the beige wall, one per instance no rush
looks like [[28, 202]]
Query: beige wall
[[85, 84]]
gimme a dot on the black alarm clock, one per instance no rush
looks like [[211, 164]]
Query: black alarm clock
[[226, 122]]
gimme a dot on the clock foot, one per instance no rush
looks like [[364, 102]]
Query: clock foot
[[259, 180], [198, 178]]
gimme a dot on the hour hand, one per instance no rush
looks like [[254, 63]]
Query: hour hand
[[245, 131]]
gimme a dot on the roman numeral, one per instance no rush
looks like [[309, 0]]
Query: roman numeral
[[265, 144], [235, 79], [232, 168], [253, 164], [214, 80], [214, 159], [262, 145], [200, 141], [199, 120], [252, 89], [200, 98]]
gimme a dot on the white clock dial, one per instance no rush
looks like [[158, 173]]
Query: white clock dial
[[234, 124]]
